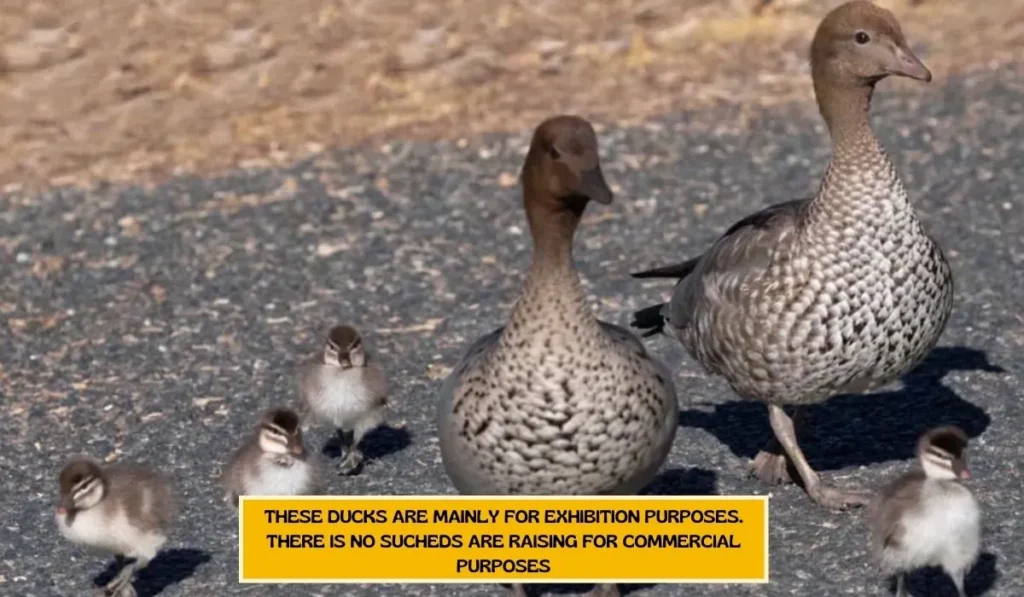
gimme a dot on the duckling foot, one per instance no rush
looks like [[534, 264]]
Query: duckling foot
[[353, 462], [611, 590], [121, 586]]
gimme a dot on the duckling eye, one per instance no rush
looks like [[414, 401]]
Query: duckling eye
[[862, 37], [554, 153]]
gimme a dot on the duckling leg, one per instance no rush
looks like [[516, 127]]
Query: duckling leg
[[829, 497], [771, 465], [121, 585], [518, 591], [354, 458], [350, 447], [610, 590], [901, 589], [958, 580]]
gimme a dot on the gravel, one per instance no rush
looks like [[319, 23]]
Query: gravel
[[153, 325]]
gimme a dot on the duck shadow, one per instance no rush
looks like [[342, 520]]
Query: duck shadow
[[676, 481], [683, 481], [167, 568], [377, 443], [863, 429], [933, 582]]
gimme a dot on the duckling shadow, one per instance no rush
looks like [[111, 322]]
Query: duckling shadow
[[933, 582], [854, 430], [377, 443], [167, 568]]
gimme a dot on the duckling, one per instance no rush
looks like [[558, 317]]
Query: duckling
[[273, 461], [557, 402], [844, 292], [344, 386], [124, 510], [928, 517]]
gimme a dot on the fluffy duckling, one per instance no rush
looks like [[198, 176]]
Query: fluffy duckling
[[344, 386], [928, 517], [273, 461], [124, 510]]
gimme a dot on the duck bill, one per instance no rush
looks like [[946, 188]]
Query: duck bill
[[64, 507], [909, 65], [594, 187]]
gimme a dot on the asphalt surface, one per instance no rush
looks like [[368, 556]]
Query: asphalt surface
[[154, 325]]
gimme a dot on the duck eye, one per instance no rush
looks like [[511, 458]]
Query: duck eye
[[862, 37], [554, 153]]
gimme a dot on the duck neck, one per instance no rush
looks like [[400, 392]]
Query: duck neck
[[552, 298], [553, 226], [860, 175], [846, 109]]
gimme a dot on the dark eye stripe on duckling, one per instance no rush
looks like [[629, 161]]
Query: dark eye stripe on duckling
[[940, 454], [84, 486], [276, 432]]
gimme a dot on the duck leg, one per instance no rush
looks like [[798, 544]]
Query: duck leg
[[609, 590], [518, 591], [771, 465], [824, 495]]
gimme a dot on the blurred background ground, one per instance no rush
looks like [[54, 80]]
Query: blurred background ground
[[135, 90]]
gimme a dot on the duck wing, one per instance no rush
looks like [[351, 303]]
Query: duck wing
[[745, 248]]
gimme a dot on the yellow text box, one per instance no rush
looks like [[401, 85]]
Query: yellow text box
[[458, 539]]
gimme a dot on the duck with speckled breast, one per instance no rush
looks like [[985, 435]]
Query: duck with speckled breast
[[843, 292], [557, 402]]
